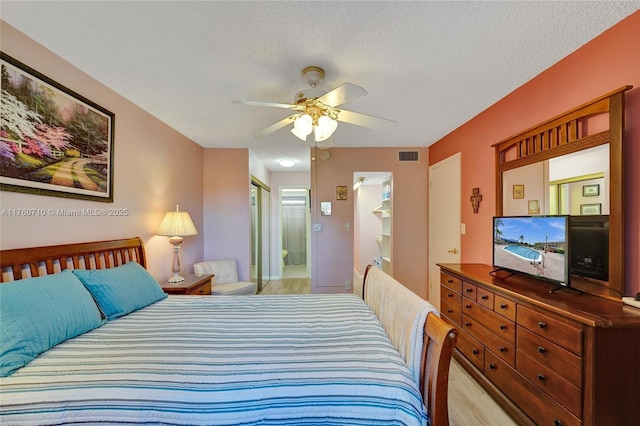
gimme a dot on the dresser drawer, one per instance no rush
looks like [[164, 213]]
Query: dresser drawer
[[485, 298], [560, 360], [505, 307], [505, 350], [451, 310], [471, 349], [498, 324], [554, 385], [542, 409], [469, 290], [449, 296], [557, 331], [453, 283], [203, 289]]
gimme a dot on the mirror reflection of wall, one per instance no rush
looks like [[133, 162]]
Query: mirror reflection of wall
[[559, 184]]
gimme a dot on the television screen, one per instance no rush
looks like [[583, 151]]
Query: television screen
[[589, 250], [532, 245]]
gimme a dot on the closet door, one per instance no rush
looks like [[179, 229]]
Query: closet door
[[260, 196]]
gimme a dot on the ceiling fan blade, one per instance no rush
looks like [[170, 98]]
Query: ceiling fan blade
[[341, 94], [275, 126], [364, 120], [264, 104]]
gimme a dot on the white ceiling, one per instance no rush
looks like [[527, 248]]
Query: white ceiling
[[430, 66]]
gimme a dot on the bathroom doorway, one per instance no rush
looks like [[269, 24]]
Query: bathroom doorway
[[295, 220]]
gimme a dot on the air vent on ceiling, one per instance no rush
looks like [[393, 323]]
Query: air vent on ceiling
[[408, 155]]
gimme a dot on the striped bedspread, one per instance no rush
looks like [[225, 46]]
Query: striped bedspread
[[234, 360]]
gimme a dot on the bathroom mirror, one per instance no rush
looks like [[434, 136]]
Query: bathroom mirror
[[571, 161]]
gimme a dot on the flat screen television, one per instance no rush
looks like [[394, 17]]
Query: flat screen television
[[536, 246], [589, 250]]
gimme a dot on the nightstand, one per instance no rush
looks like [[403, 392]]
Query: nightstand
[[192, 285]]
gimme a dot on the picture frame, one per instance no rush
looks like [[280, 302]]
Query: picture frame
[[325, 208], [591, 190], [62, 148], [518, 191], [341, 192], [534, 207], [590, 209]]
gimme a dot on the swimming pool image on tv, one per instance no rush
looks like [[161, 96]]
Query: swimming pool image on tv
[[534, 246], [524, 253]]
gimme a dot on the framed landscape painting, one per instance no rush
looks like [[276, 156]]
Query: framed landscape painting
[[53, 141]]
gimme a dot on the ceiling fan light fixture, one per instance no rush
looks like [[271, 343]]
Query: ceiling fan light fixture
[[299, 134], [304, 124], [325, 128]]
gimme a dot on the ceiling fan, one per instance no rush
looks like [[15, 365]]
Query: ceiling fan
[[316, 110]]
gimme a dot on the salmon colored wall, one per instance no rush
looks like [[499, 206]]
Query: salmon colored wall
[[332, 248], [606, 63], [155, 167], [227, 213]]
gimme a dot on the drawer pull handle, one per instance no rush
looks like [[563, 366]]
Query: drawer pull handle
[[542, 324], [492, 366], [541, 377], [503, 349], [449, 294], [503, 306], [467, 306], [541, 349], [557, 422], [467, 324], [469, 290], [503, 327], [449, 281], [484, 297], [449, 311], [475, 351]]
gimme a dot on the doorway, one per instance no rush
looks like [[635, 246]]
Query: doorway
[[295, 220], [372, 220]]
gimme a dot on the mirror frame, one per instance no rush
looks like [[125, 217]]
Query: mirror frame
[[563, 134]]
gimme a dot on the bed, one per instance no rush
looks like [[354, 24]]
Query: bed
[[296, 359]]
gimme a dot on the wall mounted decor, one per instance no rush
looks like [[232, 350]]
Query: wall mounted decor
[[534, 206], [590, 190], [518, 191], [475, 199], [325, 208], [53, 141], [341, 192], [590, 209]]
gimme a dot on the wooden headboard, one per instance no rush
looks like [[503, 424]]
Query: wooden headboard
[[22, 263]]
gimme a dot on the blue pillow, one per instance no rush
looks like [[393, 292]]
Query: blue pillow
[[121, 290], [38, 313]]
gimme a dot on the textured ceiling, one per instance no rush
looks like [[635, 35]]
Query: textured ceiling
[[430, 66]]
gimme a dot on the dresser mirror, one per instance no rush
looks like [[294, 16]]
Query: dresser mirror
[[572, 184], [571, 164]]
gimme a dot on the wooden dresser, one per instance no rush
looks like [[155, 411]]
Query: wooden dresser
[[562, 358]]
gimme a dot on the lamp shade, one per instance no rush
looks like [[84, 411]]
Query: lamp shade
[[325, 128], [177, 224]]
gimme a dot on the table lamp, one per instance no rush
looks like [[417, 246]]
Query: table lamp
[[176, 225]]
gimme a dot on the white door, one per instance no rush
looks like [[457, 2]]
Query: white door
[[444, 219]]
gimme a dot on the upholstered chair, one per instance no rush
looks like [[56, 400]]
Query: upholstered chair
[[226, 280]]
